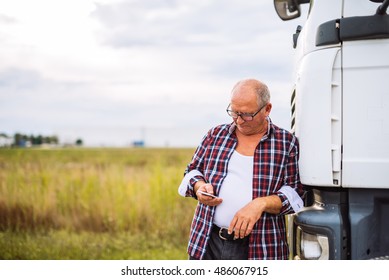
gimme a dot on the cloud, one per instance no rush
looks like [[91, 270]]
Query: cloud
[[178, 23], [19, 79], [80, 68], [145, 23], [223, 38], [4, 19]]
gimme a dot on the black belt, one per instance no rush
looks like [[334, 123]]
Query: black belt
[[223, 233]]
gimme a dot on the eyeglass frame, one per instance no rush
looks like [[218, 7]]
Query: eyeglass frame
[[244, 115]]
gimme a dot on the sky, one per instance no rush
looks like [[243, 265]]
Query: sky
[[115, 72]]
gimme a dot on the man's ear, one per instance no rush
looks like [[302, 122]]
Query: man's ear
[[268, 108]]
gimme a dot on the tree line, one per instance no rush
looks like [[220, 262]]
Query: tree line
[[24, 140]]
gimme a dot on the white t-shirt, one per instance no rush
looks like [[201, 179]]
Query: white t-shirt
[[236, 190]]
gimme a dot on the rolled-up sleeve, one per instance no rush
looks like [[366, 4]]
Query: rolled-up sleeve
[[186, 187], [292, 192], [194, 170]]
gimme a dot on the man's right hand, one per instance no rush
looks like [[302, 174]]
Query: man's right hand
[[205, 199]]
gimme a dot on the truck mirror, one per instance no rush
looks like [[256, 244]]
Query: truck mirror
[[287, 9]]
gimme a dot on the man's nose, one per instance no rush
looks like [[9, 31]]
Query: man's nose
[[240, 120]]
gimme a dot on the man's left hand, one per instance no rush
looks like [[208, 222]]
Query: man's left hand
[[244, 220]]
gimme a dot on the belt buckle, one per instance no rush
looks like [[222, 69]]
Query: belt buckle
[[220, 233]]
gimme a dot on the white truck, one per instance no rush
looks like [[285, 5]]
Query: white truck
[[340, 113]]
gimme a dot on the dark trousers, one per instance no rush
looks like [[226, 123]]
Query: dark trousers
[[219, 249]]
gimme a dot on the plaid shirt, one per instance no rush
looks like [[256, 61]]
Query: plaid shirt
[[275, 165]]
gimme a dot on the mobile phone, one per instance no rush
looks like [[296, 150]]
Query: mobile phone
[[207, 194]]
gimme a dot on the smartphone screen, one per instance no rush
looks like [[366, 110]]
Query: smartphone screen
[[208, 194]]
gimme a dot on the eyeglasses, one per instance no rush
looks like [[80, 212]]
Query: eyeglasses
[[244, 116]]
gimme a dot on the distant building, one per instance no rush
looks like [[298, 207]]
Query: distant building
[[5, 141], [138, 143], [23, 143]]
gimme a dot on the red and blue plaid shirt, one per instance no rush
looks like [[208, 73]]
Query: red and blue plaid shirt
[[275, 166]]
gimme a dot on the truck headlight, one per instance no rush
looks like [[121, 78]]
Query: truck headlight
[[311, 246]]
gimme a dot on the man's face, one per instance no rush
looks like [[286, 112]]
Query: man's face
[[244, 101]]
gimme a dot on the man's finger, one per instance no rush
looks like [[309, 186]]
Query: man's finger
[[232, 225]]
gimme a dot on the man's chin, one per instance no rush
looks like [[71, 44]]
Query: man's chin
[[245, 130]]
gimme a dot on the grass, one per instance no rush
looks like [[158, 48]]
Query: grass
[[93, 204], [67, 245]]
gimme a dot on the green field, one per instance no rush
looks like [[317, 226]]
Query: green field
[[95, 204]]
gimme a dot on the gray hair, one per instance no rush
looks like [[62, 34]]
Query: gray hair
[[260, 88]]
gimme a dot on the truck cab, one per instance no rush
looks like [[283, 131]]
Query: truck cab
[[340, 114]]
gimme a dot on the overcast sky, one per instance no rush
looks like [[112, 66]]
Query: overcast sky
[[111, 72]]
